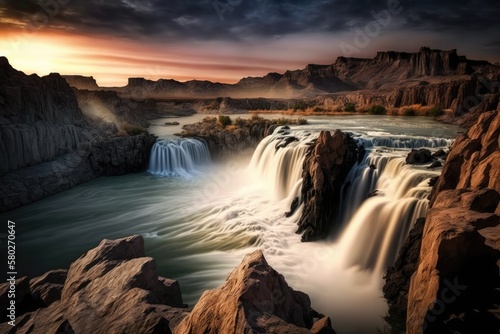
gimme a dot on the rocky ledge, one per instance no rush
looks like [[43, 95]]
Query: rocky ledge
[[227, 137], [453, 285], [325, 169], [115, 288]]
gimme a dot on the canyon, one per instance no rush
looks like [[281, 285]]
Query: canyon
[[57, 132]]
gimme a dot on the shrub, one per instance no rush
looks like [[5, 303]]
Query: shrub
[[301, 121], [350, 107], [436, 111], [409, 112], [377, 110], [225, 121]]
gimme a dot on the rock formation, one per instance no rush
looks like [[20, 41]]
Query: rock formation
[[81, 82], [393, 79], [325, 169], [254, 299], [455, 281], [48, 145], [240, 137], [115, 288]]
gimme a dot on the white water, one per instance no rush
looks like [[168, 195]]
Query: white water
[[199, 228], [178, 157]]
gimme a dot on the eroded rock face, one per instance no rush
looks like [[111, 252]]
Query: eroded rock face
[[455, 287], [113, 288], [324, 173], [47, 145], [254, 299]]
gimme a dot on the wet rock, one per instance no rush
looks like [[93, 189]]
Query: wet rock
[[435, 164], [372, 166], [293, 207], [172, 123], [254, 299], [325, 169], [420, 156], [285, 142], [439, 153]]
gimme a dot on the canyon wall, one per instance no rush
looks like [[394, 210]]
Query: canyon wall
[[48, 145], [455, 278]]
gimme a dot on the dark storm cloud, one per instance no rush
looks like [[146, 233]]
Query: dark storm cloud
[[244, 19]]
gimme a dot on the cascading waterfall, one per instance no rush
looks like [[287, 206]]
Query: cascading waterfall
[[378, 225], [277, 161], [178, 157]]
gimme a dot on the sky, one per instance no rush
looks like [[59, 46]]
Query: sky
[[226, 40]]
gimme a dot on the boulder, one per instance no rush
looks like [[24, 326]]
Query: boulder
[[420, 156], [113, 288], [48, 287], [254, 299], [325, 170]]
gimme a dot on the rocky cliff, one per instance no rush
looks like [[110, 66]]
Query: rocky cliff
[[48, 145], [455, 279], [395, 79], [115, 288], [326, 166], [81, 82]]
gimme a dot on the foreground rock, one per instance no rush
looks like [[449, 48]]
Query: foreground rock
[[115, 288], [325, 169], [455, 282], [254, 299]]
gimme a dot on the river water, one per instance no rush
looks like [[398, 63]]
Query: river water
[[199, 224]]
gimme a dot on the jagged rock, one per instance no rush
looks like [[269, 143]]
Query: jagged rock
[[324, 172], [48, 287], [397, 277], [113, 288], [293, 207], [454, 286], [420, 156], [254, 299], [323, 326]]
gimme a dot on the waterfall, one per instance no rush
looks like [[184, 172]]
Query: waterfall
[[277, 161], [178, 157], [378, 225]]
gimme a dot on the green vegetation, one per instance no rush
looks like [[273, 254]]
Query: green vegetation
[[436, 111], [350, 107], [225, 121], [377, 110], [409, 112]]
